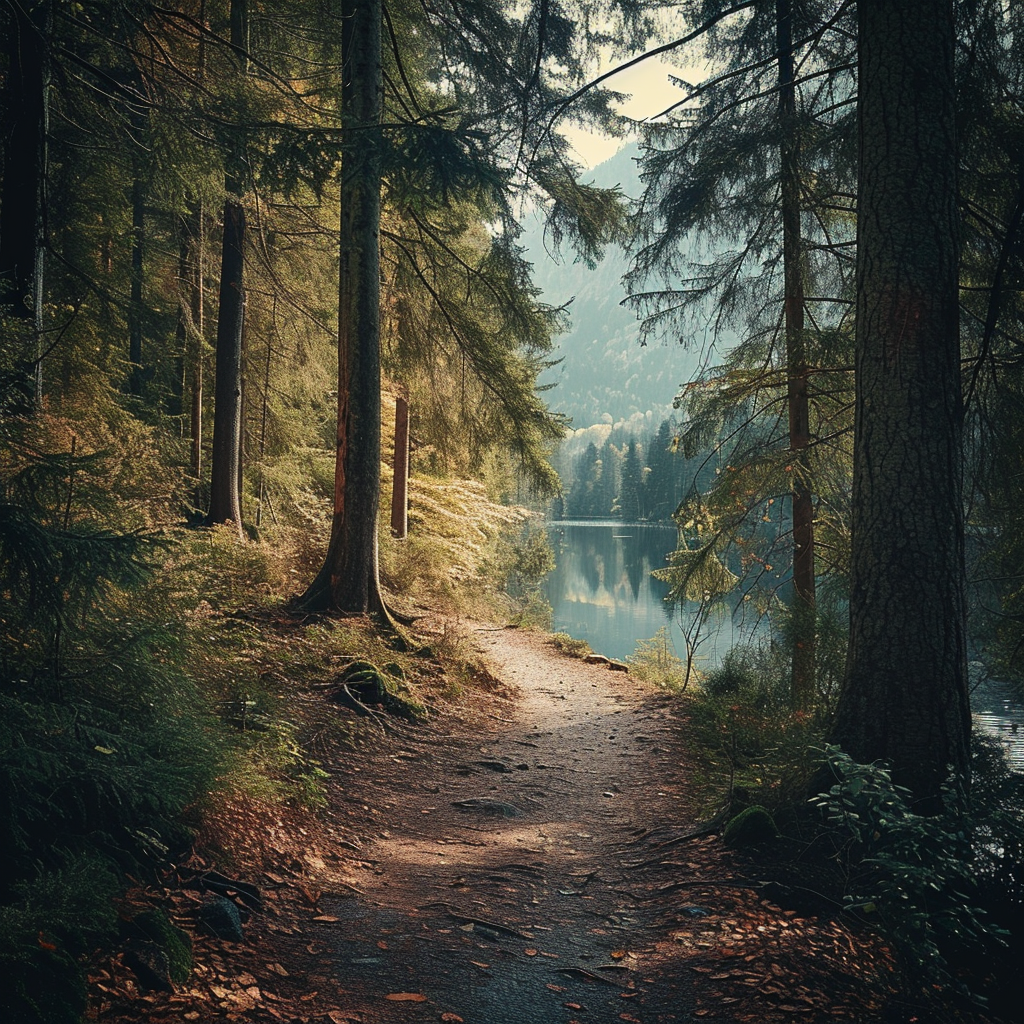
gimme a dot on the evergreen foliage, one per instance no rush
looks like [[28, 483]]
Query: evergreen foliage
[[710, 263], [104, 741]]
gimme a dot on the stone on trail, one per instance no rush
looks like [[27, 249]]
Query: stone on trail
[[485, 805], [220, 917]]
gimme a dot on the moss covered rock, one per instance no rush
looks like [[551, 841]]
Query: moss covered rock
[[156, 927], [751, 826]]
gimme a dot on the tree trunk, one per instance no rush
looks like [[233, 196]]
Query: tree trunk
[[138, 201], [226, 465], [400, 478], [905, 695], [348, 581], [23, 191], [227, 396], [188, 378], [803, 606]]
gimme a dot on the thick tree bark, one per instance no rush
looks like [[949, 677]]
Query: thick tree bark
[[23, 191], [905, 696], [226, 456], [348, 581], [803, 606]]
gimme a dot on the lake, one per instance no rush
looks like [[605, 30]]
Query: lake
[[602, 590]]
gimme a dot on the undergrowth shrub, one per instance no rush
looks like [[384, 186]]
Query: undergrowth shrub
[[750, 745], [938, 886], [570, 645], [451, 559], [655, 661], [104, 739], [519, 564]]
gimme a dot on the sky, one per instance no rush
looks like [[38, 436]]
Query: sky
[[651, 93]]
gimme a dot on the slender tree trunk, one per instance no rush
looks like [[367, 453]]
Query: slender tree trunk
[[400, 479], [23, 191], [197, 359], [227, 397], [803, 607], [196, 353], [138, 203], [225, 503], [905, 695], [188, 378], [348, 581]]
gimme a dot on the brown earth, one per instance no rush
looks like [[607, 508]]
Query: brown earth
[[527, 856]]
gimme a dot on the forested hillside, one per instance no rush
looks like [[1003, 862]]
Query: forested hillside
[[606, 372]]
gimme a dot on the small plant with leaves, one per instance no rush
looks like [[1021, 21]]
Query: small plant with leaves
[[655, 661], [750, 744], [913, 874]]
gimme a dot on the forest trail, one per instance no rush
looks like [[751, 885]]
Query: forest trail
[[502, 893], [523, 857]]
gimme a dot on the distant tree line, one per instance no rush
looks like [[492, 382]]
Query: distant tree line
[[631, 478]]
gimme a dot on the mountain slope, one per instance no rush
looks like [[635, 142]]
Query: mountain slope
[[605, 375]]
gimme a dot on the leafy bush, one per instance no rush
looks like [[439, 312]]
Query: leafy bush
[[519, 565], [923, 879], [570, 645], [655, 661]]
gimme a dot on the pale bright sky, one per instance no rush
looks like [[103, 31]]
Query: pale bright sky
[[651, 94]]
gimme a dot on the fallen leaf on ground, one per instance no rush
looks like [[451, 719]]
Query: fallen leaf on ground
[[326, 917], [454, 1017], [556, 988], [476, 963], [406, 997], [530, 952]]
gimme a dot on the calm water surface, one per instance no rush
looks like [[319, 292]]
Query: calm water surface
[[602, 590]]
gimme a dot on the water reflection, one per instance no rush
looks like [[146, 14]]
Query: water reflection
[[602, 590], [1000, 713]]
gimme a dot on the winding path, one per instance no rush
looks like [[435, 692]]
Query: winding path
[[501, 892]]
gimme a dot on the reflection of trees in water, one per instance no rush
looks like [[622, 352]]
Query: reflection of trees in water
[[602, 589], [592, 567], [637, 563]]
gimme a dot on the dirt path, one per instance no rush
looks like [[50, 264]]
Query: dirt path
[[501, 895], [521, 858]]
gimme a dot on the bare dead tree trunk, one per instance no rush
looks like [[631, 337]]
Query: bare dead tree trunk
[[400, 478]]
